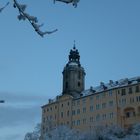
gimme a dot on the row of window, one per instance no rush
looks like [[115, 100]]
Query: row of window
[[129, 90], [91, 98], [62, 114], [91, 108], [55, 107], [123, 101], [98, 117]]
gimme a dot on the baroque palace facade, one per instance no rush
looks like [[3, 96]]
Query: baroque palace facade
[[114, 103]]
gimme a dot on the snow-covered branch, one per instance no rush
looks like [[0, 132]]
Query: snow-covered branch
[[23, 15], [74, 2], [32, 19], [2, 8], [101, 133]]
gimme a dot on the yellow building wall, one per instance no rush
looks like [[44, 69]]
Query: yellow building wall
[[111, 107]]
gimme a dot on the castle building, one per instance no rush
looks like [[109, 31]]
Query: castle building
[[113, 103]]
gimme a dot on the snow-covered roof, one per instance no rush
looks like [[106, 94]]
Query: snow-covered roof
[[103, 87], [73, 64], [111, 85]]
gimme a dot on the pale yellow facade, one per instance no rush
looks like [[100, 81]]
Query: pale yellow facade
[[118, 106]]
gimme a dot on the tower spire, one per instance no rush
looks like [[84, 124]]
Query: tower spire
[[74, 45]]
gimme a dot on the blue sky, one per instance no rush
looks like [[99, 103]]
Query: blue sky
[[107, 34]]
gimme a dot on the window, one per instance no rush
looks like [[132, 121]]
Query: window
[[123, 92], [55, 107], [91, 98], [103, 95], [46, 130], [111, 115], [78, 102], [79, 75], [103, 105], [127, 114], [139, 109], [68, 113], [123, 101], [78, 122], [138, 98], [130, 90], [97, 117], [43, 128], [78, 111], [91, 108], [132, 100], [43, 120], [66, 75], [66, 85], [91, 119], [73, 123], [97, 106], [73, 103], [84, 121], [61, 114], [97, 97], [44, 111], [68, 103], [51, 117], [73, 112], [84, 100], [118, 92], [84, 110], [61, 105], [110, 93], [47, 118], [119, 102], [110, 103], [79, 84], [137, 89], [104, 116]]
